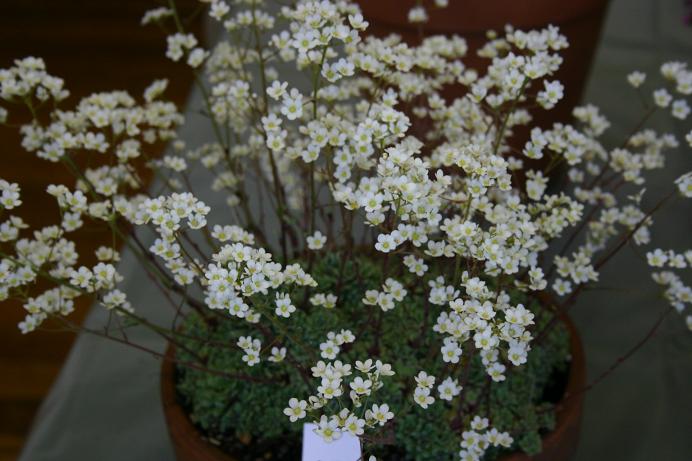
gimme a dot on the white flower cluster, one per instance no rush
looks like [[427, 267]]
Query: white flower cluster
[[181, 44], [48, 251], [326, 300], [676, 291], [251, 348], [29, 81], [415, 265], [9, 229], [240, 271], [171, 214], [232, 233], [352, 420], [105, 122], [486, 317], [392, 292], [424, 384], [50, 302], [332, 346], [48, 254], [476, 441]]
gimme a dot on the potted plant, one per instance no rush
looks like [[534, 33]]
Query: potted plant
[[408, 291]]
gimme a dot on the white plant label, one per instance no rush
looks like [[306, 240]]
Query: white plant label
[[345, 448]]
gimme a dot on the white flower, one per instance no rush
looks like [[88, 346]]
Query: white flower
[[496, 372], [680, 109], [116, 298], [384, 369], [329, 350], [354, 425], [271, 123], [385, 243], [278, 354], [330, 387], [417, 14], [562, 287], [9, 195], [385, 301], [196, 57], [175, 163], [276, 141], [636, 78], [657, 258], [304, 40], [251, 357], [364, 367], [277, 89], [328, 429], [479, 424], [316, 241], [284, 307], [448, 389], [361, 386], [684, 184], [292, 105], [343, 337], [451, 352], [81, 278], [357, 22], [554, 91], [380, 414], [422, 397], [662, 98], [517, 353], [105, 275], [484, 339], [425, 380], [219, 9], [296, 409], [155, 15]]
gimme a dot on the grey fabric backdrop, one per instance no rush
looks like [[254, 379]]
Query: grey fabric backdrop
[[105, 405]]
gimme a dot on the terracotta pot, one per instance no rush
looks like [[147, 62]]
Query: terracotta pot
[[560, 444], [188, 442], [579, 20], [190, 445]]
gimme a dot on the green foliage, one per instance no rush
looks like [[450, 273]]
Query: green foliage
[[247, 418]]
